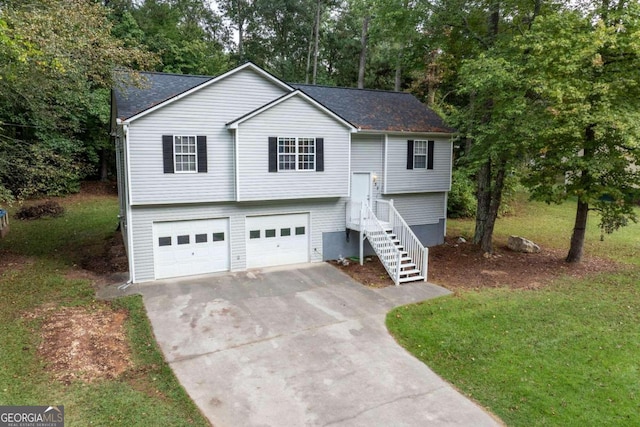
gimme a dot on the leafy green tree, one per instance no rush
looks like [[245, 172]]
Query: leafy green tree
[[55, 55], [588, 141], [187, 35], [488, 107]]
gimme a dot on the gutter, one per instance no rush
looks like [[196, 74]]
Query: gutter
[[125, 131]]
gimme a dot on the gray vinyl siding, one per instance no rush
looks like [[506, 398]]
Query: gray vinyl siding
[[420, 209], [204, 112], [294, 117], [367, 155], [326, 215], [403, 180]]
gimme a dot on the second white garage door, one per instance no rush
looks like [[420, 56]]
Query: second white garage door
[[277, 240]]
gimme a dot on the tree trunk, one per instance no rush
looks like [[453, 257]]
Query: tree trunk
[[579, 229], [398, 80], [363, 51], [317, 43], [309, 52], [494, 21], [104, 164], [486, 243], [582, 210], [483, 194], [240, 32]]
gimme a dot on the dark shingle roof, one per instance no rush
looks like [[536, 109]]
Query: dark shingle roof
[[365, 109], [376, 109], [154, 89]]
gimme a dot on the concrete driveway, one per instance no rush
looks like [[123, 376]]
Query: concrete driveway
[[304, 346]]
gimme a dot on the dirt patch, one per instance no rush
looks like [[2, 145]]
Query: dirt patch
[[47, 209], [99, 188], [11, 262], [458, 266], [83, 344], [371, 273], [109, 259]]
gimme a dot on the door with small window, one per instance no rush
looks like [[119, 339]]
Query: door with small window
[[184, 248], [277, 240]]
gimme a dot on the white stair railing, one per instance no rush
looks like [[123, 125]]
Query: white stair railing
[[418, 253], [382, 244]]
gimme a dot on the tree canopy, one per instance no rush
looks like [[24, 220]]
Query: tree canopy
[[542, 89]]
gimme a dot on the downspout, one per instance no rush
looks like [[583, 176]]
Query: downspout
[[236, 146], [127, 158], [385, 163]]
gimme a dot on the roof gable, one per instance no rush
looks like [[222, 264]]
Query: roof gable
[[159, 89], [297, 93], [378, 110]]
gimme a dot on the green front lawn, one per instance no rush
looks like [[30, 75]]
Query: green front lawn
[[36, 259], [564, 355]]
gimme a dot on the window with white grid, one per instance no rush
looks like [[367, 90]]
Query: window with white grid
[[286, 154], [420, 154], [306, 153], [296, 153], [185, 153]]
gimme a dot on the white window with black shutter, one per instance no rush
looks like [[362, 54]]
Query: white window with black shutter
[[184, 153], [296, 154], [420, 154]]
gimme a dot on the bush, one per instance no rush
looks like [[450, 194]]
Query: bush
[[462, 201], [49, 209]]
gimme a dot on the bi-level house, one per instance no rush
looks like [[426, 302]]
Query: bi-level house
[[243, 171]]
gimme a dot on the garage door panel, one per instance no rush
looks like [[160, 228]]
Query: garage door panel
[[277, 240], [183, 248]]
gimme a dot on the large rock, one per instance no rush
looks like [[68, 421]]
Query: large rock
[[520, 244]]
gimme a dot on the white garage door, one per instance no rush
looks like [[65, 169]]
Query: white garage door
[[183, 248], [277, 240]]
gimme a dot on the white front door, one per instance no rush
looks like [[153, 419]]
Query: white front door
[[184, 248], [360, 192], [277, 239]]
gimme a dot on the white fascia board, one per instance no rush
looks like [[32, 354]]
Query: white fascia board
[[234, 124], [213, 80]]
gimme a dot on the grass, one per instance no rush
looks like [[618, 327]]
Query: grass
[[564, 355], [552, 225], [147, 394]]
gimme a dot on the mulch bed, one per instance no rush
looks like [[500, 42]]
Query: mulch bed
[[460, 266]]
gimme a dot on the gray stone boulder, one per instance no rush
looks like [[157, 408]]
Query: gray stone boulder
[[520, 244]]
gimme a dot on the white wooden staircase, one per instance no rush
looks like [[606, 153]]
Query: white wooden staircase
[[402, 254]]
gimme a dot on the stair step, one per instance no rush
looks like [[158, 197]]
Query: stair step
[[409, 272], [411, 279], [407, 265], [403, 257]]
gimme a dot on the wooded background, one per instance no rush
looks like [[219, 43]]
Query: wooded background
[[544, 93]]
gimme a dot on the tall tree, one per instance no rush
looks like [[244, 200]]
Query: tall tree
[[364, 40], [586, 67]]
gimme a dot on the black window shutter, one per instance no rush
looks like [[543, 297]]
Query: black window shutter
[[273, 154], [430, 145], [410, 154], [167, 153], [202, 153], [319, 154]]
